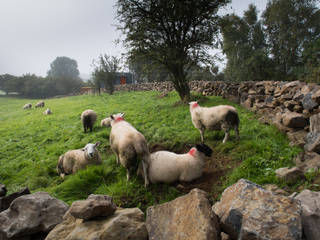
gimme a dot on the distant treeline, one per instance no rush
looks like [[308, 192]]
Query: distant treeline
[[32, 86]]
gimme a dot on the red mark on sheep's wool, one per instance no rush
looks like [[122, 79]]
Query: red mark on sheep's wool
[[195, 105], [118, 119], [192, 151]]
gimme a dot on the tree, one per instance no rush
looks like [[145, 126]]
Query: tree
[[175, 33], [290, 25], [64, 67], [245, 46], [105, 71]]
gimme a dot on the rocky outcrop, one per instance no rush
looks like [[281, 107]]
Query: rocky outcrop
[[94, 206], [290, 175], [247, 211], [7, 200], [187, 217], [30, 214], [310, 202], [124, 224]]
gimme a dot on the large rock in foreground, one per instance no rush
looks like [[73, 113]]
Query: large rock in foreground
[[124, 224], [187, 217], [247, 211], [310, 202], [30, 214]]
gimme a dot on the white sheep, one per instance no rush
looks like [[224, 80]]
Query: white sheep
[[222, 117], [47, 111], [27, 106], [169, 167], [106, 122], [88, 118], [129, 145], [39, 104], [77, 159]]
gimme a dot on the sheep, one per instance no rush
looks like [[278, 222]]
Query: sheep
[[27, 106], [39, 104], [129, 145], [88, 118], [47, 111], [106, 122], [74, 160], [215, 118], [169, 167], [3, 190]]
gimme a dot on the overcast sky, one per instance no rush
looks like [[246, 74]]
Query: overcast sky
[[34, 32]]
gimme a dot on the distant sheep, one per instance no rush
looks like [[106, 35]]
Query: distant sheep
[[27, 106], [47, 111], [129, 145], [222, 117], [106, 122], [88, 118], [74, 160], [3, 190], [169, 167], [39, 104]]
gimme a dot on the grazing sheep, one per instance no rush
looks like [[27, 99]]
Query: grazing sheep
[[106, 122], [215, 118], [74, 160], [88, 118], [129, 145], [39, 104], [47, 111], [27, 106], [169, 167], [3, 190]]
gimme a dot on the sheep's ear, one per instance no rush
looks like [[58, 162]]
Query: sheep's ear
[[111, 116], [122, 114], [97, 144]]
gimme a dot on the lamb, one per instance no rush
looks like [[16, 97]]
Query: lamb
[[47, 111], [129, 145], [88, 118], [215, 118], [169, 167], [27, 106], [77, 159], [106, 122], [39, 104]]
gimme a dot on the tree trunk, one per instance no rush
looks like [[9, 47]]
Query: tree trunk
[[180, 84]]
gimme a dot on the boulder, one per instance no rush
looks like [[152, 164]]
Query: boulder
[[30, 214], [124, 224], [310, 202], [308, 103], [294, 120], [275, 189], [290, 175], [315, 123], [247, 211], [297, 137], [307, 161], [94, 206], [6, 201], [187, 217], [312, 142]]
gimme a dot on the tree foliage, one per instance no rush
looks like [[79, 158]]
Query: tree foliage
[[105, 72], [291, 26], [64, 67], [174, 33]]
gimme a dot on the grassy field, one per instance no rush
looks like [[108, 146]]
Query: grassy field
[[30, 144]]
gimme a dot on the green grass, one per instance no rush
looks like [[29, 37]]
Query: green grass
[[30, 144]]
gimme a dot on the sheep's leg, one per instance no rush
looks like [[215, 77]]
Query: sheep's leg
[[237, 132], [128, 174], [226, 136], [117, 159], [202, 134], [145, 169]]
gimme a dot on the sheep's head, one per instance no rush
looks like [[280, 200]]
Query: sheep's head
[[193, 104], [205, 149], [106, 122], [91, 149], [116, 118], [3, 190]]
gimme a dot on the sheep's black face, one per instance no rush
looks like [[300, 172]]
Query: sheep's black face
[[205, 149], [3, 190]]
